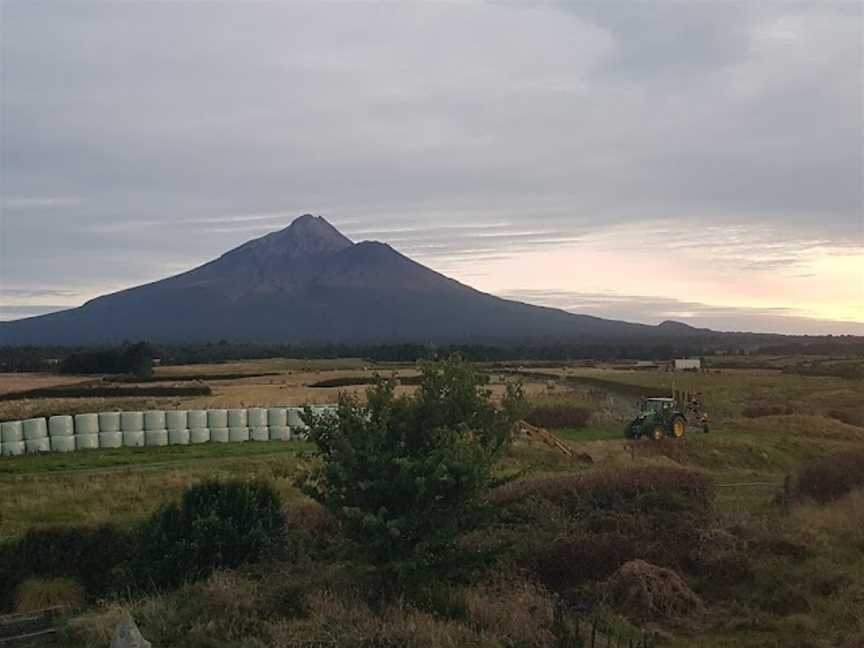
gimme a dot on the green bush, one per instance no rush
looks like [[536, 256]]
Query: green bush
[[405, 475], [94, 557], [560, 415], [215, 525], [832, 476]]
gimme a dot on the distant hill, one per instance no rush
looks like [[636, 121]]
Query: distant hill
[[310, 284]]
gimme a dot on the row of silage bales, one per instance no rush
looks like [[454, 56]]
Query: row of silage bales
[[153, 428]]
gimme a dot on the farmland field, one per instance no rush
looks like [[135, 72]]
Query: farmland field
[[765, 425]]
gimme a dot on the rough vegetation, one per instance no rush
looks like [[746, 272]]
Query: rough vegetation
[[703, 540]]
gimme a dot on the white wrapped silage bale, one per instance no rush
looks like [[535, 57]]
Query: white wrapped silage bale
[[61, 426], [86, 424], [259, 433], [132, 421], [133, 438], [178, 437], [238, 434], [238, 418], [109, 422], [155, 437], [176, 420], [220, 435], [196, 419], [34, 428], [295, 421], [238, 429], [86, 441], [217, 418], [62, 443], [199, 435], [277, 417], [13, 448], [11, 432], [35, 446], [257, 417], [110, 439], [154, 420], [280, 433]]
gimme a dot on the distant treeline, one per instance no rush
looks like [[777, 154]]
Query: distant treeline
[[132, 358]]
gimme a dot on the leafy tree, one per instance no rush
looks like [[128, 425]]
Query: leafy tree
[[406, 474]]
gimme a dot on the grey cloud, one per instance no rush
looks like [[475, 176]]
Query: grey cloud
[[144, 137]]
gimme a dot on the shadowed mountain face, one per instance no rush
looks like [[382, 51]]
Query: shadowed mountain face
[[310, 284]]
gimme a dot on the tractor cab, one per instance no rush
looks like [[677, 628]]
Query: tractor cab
[[658, 418], [660, 406]]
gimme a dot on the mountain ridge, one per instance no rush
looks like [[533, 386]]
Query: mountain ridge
[[308, 283]]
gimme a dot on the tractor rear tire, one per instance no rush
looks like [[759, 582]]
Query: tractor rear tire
[[679, 427], [658, 432]]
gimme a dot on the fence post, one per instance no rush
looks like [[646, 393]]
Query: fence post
[[593, 633]]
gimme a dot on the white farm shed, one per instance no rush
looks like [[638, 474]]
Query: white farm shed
[[682, 364]]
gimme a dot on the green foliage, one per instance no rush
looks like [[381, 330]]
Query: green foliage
[[91, 556], [215, 525], [405, 475]]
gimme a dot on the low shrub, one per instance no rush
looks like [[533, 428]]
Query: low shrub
[[561, 415], [216, 524], [832, 476], [578, 528]]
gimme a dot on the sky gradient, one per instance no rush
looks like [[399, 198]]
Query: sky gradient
[[642, 161]]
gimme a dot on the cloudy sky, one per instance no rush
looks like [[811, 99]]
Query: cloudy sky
[[695, 161]]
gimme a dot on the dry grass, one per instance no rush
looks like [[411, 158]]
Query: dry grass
[[40, 593], [16, 382]]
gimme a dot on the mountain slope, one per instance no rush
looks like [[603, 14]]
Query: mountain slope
[[310, 284]]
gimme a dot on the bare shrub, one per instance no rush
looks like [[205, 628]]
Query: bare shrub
[[646, 592], [832, 476], [518, 612]]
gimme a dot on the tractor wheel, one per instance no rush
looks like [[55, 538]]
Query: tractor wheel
[[678, 427], [658, 433]]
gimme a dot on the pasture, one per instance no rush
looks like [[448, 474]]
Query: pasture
[[804, 579]]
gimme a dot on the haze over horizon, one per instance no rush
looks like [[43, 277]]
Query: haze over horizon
[[643, 162]]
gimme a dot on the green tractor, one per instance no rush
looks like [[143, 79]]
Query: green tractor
[[658, 418]]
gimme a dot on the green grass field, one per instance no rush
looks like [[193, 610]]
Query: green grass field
[[805, 586]]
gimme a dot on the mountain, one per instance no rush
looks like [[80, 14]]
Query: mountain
[[308, 283]]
